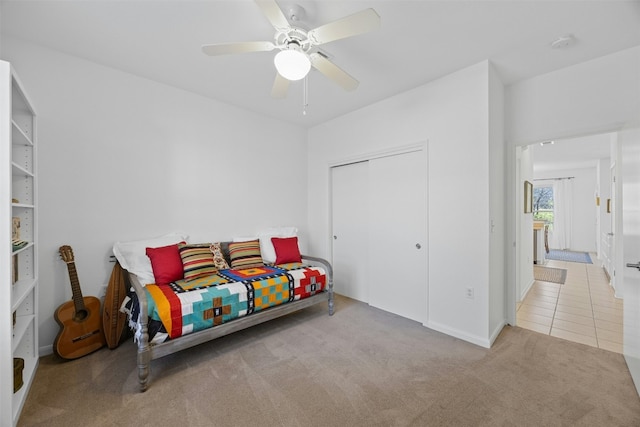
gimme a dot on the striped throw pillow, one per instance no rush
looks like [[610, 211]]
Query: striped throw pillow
[[245, 254], [197, 261]]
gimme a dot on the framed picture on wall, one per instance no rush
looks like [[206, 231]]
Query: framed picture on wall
[[528, 197]]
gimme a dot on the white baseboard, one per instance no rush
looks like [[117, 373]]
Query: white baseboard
[[46, 350], [497, 330], [526, 291], [473, 339]]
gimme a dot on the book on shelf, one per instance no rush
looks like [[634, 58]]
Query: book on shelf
[[14, 271], [18, 244], [15, 228]]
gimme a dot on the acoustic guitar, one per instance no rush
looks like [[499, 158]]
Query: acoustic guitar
[[114, 321], [80, 320]]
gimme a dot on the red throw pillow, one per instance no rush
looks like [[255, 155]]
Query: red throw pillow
[[166, 264], [286, 249]]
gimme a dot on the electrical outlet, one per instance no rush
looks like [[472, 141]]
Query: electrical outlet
[[469, 293]]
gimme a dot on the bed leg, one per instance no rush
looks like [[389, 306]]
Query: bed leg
[[144, 359]]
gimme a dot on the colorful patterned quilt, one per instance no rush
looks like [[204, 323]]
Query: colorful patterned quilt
[[184, 306]]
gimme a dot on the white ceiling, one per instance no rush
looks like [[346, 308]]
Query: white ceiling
[[571, 153], [419, 41]]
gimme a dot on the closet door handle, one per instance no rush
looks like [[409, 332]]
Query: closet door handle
[[418, 246]]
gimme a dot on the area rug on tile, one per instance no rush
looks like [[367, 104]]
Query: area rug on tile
[[548, 274], [570, 256]]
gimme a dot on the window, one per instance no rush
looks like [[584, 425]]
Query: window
[[543, 204]]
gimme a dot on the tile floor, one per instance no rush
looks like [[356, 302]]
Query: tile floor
[[582, 310]]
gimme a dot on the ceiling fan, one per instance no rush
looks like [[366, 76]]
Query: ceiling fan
[[297, 46]]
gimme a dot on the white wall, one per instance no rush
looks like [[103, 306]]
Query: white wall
[[452, 114], [583, 218], [592, 97], [124, 158], [525, 225], [604, 192], [627, 243], [596, 96], [497, 207]]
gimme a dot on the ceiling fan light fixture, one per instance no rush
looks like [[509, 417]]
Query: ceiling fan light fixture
[[292, 64]]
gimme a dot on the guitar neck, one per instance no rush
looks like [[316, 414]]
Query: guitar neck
[[78, 300]]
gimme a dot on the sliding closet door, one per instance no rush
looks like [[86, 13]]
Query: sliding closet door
[[397, 237], [350, 217]]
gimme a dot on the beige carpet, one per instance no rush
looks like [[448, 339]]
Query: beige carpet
[[362, 366], [549, 274]]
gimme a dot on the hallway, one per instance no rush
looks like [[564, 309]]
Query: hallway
[[582, 310]]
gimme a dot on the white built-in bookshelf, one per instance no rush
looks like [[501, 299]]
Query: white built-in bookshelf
[[19, 250]]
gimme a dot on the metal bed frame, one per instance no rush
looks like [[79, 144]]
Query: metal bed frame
[[148, 352]]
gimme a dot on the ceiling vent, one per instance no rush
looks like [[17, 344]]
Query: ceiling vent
[[563, 41]]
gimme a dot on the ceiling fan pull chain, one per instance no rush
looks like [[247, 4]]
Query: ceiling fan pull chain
[[305, 94]]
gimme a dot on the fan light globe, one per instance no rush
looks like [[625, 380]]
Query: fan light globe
[[292, 64]]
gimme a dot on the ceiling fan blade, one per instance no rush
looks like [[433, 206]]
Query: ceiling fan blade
[[333, 72], [241, 47], [358, 23], [274, 14], [280, 87]]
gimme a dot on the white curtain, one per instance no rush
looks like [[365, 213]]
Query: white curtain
[[562, 214]]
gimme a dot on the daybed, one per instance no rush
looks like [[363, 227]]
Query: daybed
[[210, 302]]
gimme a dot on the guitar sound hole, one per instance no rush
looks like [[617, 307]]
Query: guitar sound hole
[[81, 315]]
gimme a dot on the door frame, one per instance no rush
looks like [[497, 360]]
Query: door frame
[[613, 221], [627, 216], [513, 215]]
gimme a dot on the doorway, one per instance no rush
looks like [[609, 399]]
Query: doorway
[[584, 308]]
